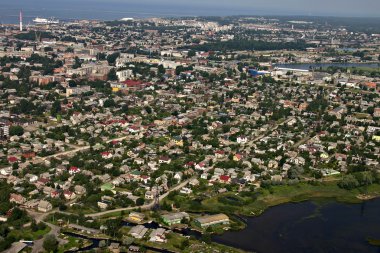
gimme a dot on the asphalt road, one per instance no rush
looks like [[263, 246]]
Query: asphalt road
[[143, 207], [73, 151], [54, 230]]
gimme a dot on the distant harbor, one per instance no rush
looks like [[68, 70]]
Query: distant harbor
[[45, 21]]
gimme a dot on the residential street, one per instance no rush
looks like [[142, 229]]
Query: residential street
[[143, 207]]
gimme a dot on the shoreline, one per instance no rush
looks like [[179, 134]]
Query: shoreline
[[303, 192], [243, 219]]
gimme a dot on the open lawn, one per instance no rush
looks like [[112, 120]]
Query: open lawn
[[374, 242], [362, 116], [73, 243], [28, 234], [249, 203], [178, 243]]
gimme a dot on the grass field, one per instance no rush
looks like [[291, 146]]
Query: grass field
[[73, 242], [374, 242], [175, 244], [28, 234], [255, 204], [366, 69]]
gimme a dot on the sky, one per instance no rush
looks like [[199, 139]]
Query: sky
[[116, 9]]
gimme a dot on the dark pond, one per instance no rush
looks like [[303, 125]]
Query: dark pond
[[310, 227]]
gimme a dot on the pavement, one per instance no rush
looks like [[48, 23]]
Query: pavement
[[143, 207], [251, 142], [39, 159], [38, 244], [54, 230], [16, 247]]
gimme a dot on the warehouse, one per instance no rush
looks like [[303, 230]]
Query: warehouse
[[174, 218], [138, 231], [211, 220]]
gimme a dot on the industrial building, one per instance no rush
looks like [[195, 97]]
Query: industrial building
[[210, 220], [138, 231], [174, 218], [4, 131]]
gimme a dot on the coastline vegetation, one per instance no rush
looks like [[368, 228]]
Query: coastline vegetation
[[364, 71], [373, 242], [255, 203]]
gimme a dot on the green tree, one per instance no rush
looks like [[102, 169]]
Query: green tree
[[101, 56], [206, 238], [50, 243], [109, 103], [34, 226], [125, 109], [48, 49], [112, 75], [148, 109], [191, 53], [24, 72], [370, 110], [16, 130], [348, 182], [26, 106], [56, 108], [140, 201], [77, 63], [161, 69], [185, 244], [365, 178], [295, 172], [112, 58], [72, 83]]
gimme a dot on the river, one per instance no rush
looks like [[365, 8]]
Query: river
[[312, 227]]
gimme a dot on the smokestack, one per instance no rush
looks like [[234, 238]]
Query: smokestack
[[20, 21]]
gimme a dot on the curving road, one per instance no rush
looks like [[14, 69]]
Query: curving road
[[81, 148], [143, 207], [54, 230], [266, 133]]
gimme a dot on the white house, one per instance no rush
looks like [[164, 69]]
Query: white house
[[73, 170], [106, 155], [158, 235], [242, 139], [186, 190], [164, 159], [32, 178], [123, 75], [44, 206], [200, 166], [178, 176]]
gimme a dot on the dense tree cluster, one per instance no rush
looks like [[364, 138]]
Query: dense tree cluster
[[31, 35], [249, 45], [352, 181]]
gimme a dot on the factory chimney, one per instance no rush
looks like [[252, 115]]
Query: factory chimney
[[20, 21]]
